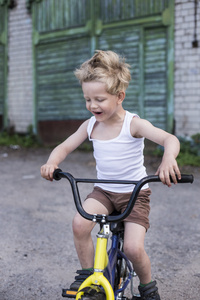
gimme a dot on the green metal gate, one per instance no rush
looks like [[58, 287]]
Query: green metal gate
[[3, 62], [67, 32]]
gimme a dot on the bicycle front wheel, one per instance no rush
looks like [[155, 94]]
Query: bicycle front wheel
[[93, 292], [94, 297]]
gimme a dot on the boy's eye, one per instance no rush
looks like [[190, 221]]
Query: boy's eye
[[100, 100]]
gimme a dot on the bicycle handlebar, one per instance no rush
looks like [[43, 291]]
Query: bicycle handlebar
[[58, 174]]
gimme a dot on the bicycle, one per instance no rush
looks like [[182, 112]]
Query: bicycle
[[112, 270]]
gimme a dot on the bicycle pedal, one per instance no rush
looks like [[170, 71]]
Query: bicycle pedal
[[67, 293]]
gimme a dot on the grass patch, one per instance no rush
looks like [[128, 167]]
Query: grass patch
[[189, 152], [188, 159], [28, 140]]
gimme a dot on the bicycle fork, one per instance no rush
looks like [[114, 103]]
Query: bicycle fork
[[100, 263]]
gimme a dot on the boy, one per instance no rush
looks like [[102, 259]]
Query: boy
[[118, 142]]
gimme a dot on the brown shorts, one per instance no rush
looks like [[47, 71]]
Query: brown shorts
[[118, 201]]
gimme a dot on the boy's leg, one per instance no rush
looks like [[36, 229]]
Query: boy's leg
[[134, 248], [82, 232], [83, 241]]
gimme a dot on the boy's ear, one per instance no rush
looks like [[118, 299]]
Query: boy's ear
[[121, 96]]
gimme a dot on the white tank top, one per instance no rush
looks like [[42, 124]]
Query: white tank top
[[120, 158]]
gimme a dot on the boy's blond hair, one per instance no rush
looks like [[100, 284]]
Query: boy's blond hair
[[106, 67]]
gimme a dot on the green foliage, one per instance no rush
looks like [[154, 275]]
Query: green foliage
[[191, 145], [19, 140], [188, 159], [189, 153]]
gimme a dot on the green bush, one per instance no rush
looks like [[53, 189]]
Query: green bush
[[188, 159], [189, 152], [19, 140]]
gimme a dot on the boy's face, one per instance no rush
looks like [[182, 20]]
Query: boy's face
[[99, 102]]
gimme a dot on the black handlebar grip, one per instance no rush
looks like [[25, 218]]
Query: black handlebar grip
[[56, 175], [186, 179]]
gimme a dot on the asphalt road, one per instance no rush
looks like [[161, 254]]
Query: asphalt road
[[37, 256]]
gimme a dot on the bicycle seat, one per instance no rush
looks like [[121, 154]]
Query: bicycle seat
[[116, 226]]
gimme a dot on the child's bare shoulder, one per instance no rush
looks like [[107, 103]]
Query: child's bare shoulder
[[138, 125]]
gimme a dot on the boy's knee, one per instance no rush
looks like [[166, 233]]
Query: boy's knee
[[77, 225], [134, 252], [80, 226]]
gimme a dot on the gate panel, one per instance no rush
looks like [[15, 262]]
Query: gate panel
[[62, 41], [50, 15], [59, 94], [126, 43], [67, 33], [155, 76], [117, 10]]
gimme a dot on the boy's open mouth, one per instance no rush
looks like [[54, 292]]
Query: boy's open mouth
[[97, 112]]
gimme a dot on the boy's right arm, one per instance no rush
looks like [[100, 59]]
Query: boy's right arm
[[61, 151]]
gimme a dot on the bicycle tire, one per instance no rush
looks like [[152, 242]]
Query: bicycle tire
[[93, 292], [94, 297]]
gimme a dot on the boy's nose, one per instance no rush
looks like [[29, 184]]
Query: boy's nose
[[94, 104]]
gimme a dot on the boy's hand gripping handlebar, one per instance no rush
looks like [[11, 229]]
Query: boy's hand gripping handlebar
[[58, 174]]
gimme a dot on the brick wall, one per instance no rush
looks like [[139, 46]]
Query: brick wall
[[187, 70], [20, 78]]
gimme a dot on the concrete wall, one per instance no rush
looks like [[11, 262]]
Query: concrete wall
[[187, 70], [20, 68]]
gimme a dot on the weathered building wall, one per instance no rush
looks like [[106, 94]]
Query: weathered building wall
[[186, 72], [187, 69], [20, 67]]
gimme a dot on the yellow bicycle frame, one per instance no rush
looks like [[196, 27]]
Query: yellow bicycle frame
[[100, 263]]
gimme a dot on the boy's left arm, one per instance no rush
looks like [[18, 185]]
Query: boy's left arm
[[168, 166]]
